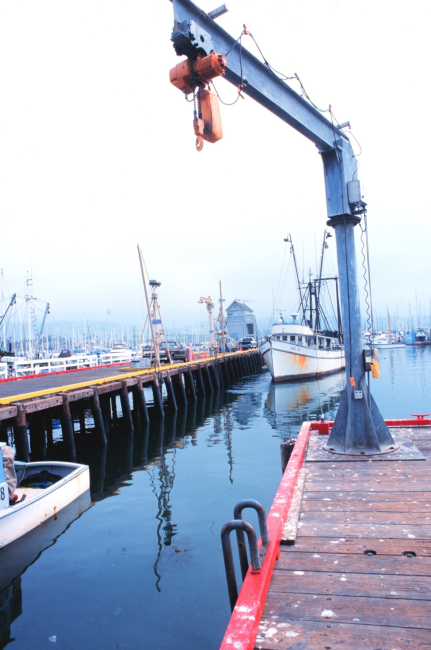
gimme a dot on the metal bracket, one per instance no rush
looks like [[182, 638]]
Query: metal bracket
[[191, 39]]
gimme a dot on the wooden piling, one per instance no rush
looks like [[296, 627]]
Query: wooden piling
[[225, 373], [67, 429], [3, 433], [231, 372], [158, 404], [37, 435], [20, 435], [114, 407], [179, 388], [236, 369], [105, 405], [98, 416], [220, 375], [214, 376], [140, 402], [125, 407], [172, 402], [190, 386], [207, 380], [200, 382]]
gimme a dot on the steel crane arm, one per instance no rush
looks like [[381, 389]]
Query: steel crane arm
[[258, 80], [195, 32]]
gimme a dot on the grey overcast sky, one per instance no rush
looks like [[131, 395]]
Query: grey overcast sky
[[97, 154]]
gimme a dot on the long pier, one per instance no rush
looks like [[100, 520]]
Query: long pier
[[31, 404], [349, 559]]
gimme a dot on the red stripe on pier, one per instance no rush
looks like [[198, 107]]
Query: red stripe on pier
[[244, 623]]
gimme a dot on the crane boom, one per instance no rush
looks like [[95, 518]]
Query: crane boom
[[359, 427]]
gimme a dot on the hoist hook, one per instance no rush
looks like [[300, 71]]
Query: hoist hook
[[199, 143]]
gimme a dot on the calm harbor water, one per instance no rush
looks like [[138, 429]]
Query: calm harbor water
[[143, 567]]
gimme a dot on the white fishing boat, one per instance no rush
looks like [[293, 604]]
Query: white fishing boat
[[295, 351], [308, 348], [37, 503]]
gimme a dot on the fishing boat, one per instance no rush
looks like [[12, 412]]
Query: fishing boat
[[43, 489], [309, 347]]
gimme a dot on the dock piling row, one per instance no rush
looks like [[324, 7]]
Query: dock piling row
[[30, 415]]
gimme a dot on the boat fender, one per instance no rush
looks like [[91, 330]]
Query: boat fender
[[375, 369]]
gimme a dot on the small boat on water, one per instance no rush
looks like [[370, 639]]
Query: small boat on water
[[383, 342], [43, 489], [417, 336], [309, 348]]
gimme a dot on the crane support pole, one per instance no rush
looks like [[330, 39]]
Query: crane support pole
[[359, 426]]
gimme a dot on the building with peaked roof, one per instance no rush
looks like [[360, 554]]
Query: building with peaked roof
[[240, 321]]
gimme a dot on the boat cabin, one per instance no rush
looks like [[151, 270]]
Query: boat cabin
[[302, 335]]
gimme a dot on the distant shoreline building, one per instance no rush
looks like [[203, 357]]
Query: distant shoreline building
[[240, 321]]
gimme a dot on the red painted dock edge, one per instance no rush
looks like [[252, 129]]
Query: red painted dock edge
[[420, 421], [244, 623], [62, 372], [243, 626]]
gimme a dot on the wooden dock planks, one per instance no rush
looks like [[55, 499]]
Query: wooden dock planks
[[359, 573]]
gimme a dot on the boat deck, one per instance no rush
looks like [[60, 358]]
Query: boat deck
[[30, 493], [359, 573]]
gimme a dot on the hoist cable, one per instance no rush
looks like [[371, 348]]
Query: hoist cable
[[366, 267]]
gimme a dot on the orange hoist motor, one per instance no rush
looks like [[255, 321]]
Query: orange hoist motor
[[189, 74]]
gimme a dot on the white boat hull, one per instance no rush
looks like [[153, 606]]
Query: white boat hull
[[289, 362], [19, 519]]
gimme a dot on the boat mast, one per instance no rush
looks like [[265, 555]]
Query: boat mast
[[292, 250], [28, 297], [318, 283], [389, 325]]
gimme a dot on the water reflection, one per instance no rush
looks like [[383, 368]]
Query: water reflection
[[288, 405], [166, 530]]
